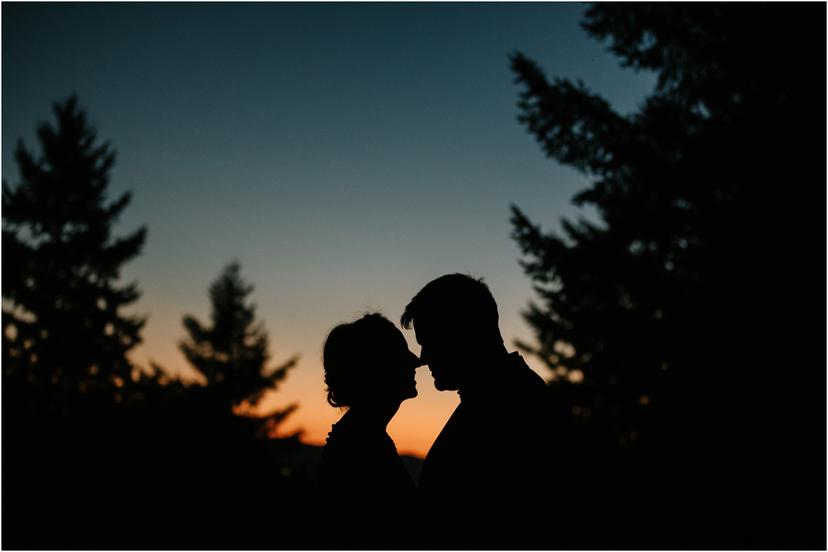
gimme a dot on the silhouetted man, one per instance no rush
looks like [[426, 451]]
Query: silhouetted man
[[490, 463]]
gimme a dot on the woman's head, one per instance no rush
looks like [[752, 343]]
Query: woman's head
[[368, 361]]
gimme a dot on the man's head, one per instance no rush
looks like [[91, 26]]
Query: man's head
[[455, 321]]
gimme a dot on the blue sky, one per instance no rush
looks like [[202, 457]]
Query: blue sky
[[345, 154]]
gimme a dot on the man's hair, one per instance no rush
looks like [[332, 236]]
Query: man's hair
[[455, 297]]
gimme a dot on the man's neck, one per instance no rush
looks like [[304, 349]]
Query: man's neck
[[486, 374]]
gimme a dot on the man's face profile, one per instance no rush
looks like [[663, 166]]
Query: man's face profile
[[438, 351]]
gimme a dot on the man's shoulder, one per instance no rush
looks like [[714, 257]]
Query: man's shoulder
[[524, 376], [517, 362], [454, 430]]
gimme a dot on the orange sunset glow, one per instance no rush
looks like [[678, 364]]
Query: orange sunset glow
[[413, 429]]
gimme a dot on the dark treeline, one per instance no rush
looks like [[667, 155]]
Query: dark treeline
[[97, 451], [693, 311], [684, 331]]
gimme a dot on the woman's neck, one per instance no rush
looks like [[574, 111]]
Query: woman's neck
[[373, 416]]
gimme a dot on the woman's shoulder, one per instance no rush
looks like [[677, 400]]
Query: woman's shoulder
[[348, 438], [359, 461], [338, 441]]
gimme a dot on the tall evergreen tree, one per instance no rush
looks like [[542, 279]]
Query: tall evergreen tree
[[689, 307], [63, 325], [232, 352]]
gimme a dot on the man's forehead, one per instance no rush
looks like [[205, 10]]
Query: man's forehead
[[426, 329], [420, 331]]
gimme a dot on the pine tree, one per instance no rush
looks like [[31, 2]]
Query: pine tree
[[686, 310], [232, 352], [63, 325]]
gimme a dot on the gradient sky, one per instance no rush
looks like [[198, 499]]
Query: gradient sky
[[345, 154]]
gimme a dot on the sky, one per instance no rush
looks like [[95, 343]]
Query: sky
[[345, 154]]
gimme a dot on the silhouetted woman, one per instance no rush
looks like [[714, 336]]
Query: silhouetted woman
[[370, 371]]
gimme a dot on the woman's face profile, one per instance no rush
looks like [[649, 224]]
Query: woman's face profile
[[367, 363], [396, 366]]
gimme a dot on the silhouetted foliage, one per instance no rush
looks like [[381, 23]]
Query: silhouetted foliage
[[97, 453], [62, 320], [693, 311], [232, 352]]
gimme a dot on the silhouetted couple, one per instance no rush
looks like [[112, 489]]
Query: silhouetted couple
[[486, 478]]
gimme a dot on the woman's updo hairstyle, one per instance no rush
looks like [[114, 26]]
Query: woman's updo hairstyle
[[350, 357]]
